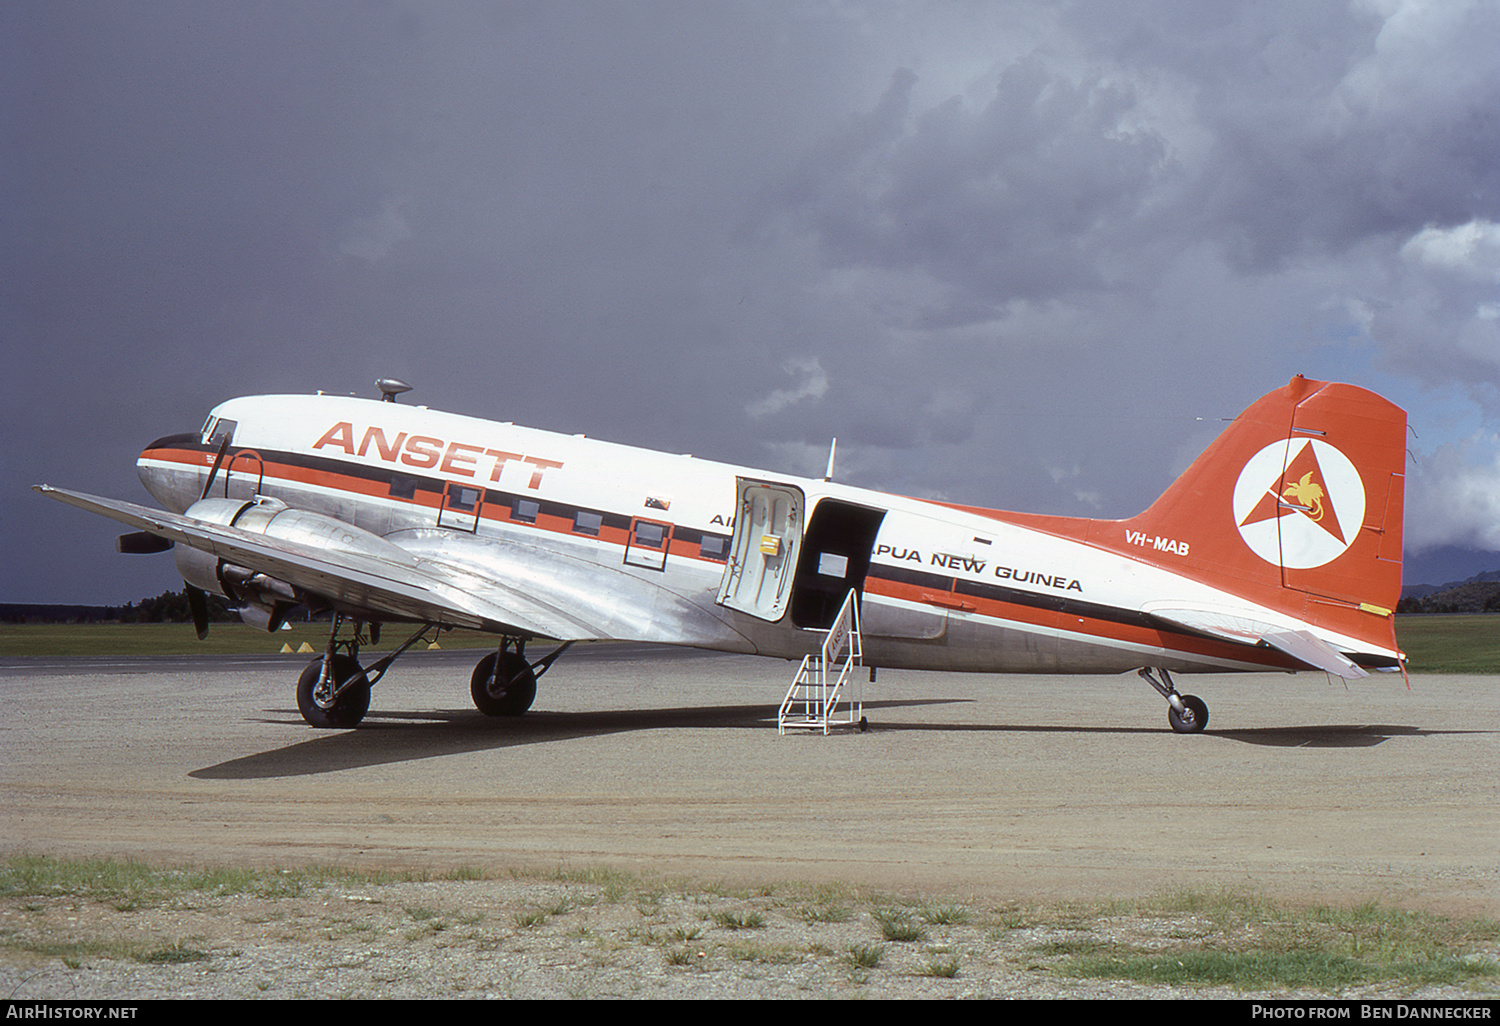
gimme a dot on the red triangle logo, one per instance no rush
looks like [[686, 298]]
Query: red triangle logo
[[1300, 490]]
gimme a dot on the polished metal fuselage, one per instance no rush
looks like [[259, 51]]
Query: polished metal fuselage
[[573, 523]]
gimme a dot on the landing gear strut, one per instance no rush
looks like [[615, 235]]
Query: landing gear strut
[[334, 691], [1187, 714], [504, 682]]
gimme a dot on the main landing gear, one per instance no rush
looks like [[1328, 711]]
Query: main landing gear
[[334, 690], [504, 682], [1187, 714]]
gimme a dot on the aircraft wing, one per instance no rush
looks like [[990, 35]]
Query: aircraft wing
[[1303, 646], [411, 588]]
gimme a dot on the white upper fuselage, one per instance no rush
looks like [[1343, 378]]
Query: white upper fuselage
[[646, 542]]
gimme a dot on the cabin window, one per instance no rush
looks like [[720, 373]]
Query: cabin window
[[714, 546], [223, 431], [585, 522], [525, 510], [463, 499], [650, 535], [403, 486]]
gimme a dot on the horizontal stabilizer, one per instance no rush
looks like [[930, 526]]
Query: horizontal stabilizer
[[1316, 652], [1301, 645]]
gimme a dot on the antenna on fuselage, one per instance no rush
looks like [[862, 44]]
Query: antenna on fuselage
[[828, 473], [390, 388]]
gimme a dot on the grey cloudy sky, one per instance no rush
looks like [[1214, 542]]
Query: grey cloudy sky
[[1016, 254]]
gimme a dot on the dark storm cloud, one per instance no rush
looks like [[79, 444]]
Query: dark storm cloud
[[1008, 253], [1170, 193], [1014, 200]]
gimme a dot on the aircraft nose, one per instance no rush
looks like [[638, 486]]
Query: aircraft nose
[[168, 470]]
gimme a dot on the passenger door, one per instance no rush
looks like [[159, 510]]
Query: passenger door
[[763, 550]]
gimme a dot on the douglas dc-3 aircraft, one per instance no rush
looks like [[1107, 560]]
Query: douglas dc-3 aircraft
[[1278, 549]]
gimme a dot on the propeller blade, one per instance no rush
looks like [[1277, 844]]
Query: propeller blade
[[198, 606], [218, 462]]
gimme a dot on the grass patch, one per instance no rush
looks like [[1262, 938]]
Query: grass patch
[[739, 920], [942, 967], [826, 913], [1458, 643], [946, 915], [898, 928], [1187, 939], [1248, 943], [129, 884], [176, 953], [77, 953], [1436, 643], [1250, 970]]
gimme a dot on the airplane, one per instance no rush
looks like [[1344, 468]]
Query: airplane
[[1278, 549]]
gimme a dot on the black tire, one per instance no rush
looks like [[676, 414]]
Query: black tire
[[352, 704], [507, 695], [1193, 719]]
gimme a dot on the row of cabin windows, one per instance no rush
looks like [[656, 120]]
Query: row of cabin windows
[[648, 534]]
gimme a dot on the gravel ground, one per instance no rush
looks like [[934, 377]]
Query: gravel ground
[[1016, 796], [548, 939]]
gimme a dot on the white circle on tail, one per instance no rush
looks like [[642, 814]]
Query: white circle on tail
[[1299, 503]]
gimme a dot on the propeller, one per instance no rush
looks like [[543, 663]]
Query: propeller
[[197, 602], [143, 542], [218, 462]]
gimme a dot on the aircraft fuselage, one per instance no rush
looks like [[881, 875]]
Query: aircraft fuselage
[[673, 548]]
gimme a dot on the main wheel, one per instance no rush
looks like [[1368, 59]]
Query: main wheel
[[1192, 719], [351, 705], [509, 693]]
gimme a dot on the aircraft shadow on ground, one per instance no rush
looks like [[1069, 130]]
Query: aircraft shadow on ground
[[395, 737], [1364, 735]]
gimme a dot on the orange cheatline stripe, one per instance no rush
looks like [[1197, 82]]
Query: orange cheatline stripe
[[427, 498], [1025, 615]]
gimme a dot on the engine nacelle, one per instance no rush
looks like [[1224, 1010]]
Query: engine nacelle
[[273, 519]]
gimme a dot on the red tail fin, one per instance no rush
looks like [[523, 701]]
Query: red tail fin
[[1297, 505]]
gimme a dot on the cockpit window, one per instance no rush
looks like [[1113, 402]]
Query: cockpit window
[[223, 431], [208, 429]]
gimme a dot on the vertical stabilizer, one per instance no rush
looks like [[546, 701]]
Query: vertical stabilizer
[[1297, 506]]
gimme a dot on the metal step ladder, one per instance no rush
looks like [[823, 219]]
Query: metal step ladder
[[812, 702]]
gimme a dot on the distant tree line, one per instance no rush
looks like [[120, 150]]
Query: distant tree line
[[168, 607], [1469, 597], [172, 607]]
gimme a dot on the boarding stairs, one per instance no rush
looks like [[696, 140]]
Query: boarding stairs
[[812, 702]]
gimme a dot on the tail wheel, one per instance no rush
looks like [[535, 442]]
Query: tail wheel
[[351, 705], [507, 693], [1192, 719]]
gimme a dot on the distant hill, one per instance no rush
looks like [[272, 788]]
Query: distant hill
[[1430, 567], [1477, 594]]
